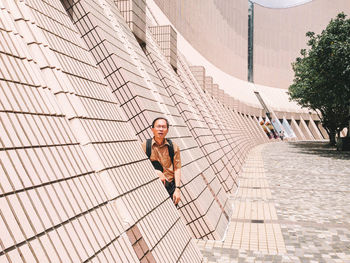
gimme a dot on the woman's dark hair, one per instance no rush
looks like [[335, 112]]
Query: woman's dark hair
[[160, 118]]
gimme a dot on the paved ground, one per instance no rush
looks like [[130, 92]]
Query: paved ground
[[293, 205]]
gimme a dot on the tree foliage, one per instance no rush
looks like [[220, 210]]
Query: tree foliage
[[322, 75]]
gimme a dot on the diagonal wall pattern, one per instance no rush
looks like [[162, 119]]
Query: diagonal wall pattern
[[74, 177], [159, 104], [78, 94]]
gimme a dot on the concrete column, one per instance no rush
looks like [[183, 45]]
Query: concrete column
[[314, 130], [322, 130], [303, 126], [297, 130]]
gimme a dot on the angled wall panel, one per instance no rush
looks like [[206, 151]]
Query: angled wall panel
[[76, 182], [137, 73], [134, 12], [322, 130], [211, 145], [298, 132], [176, 91], [305, 129], [167, 40], [80, 83], [314, 130]]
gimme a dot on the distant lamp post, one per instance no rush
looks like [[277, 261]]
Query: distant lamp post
[[250, 40]]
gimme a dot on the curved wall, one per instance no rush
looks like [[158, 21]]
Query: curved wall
[[217, 29], [279, 34]]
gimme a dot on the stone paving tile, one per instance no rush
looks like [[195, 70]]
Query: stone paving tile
[[309, 185]]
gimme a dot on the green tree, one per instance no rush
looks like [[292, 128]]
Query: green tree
[[322, 76]]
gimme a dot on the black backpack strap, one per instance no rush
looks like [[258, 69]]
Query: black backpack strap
[[148, 148], [171, 150]]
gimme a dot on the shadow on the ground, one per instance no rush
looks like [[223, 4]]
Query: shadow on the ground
[[322, 149]]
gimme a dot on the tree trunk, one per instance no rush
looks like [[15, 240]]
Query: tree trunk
[[348, 133], [332, 134]]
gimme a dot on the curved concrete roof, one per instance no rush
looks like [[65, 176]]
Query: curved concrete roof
[[280, 3]]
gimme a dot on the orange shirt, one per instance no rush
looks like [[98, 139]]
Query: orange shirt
[[160, 153]]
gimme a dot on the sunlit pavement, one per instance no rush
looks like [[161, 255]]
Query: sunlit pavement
[[293, 205]]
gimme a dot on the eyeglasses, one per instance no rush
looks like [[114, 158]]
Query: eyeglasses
[[158, 127]]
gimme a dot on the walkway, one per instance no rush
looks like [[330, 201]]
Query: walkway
[[293, 205]]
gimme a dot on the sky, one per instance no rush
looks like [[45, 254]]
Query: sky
[[280, 3]]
